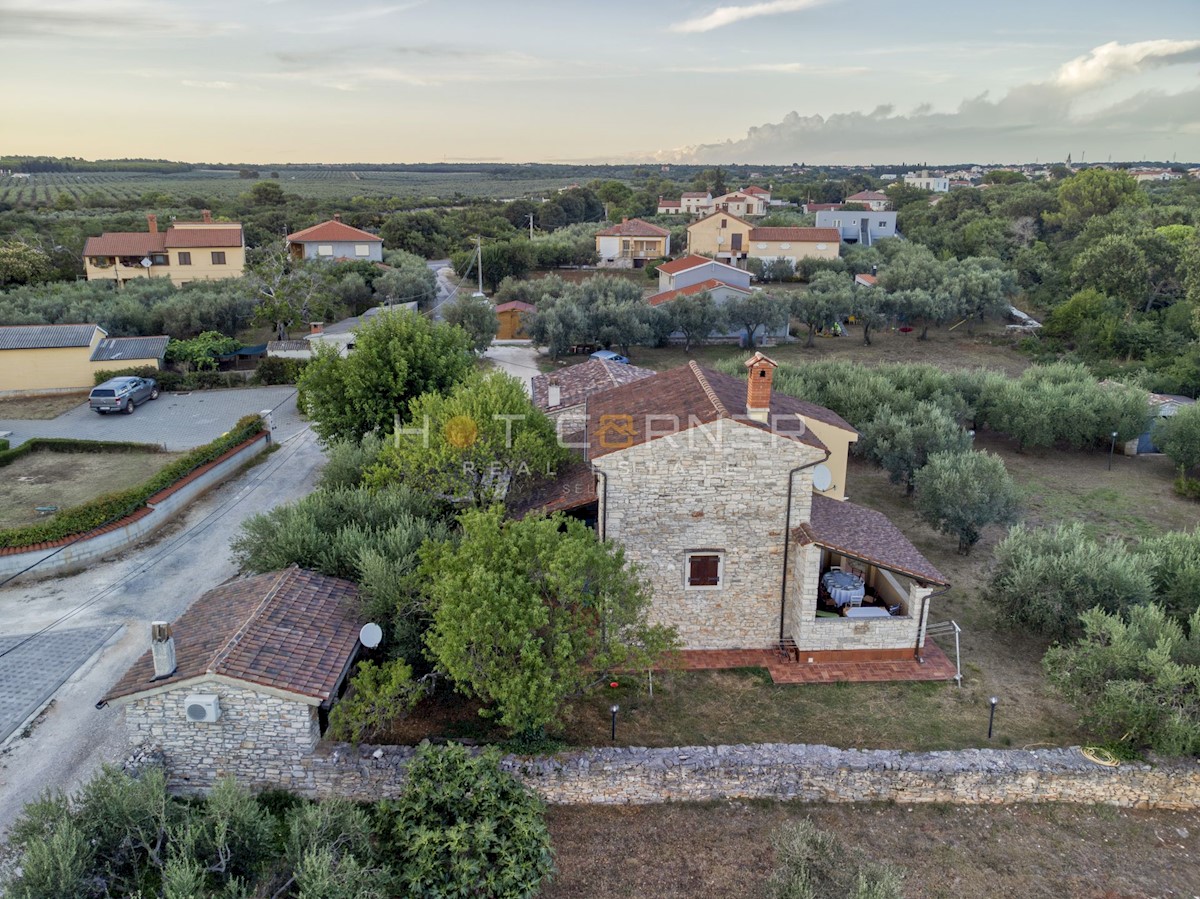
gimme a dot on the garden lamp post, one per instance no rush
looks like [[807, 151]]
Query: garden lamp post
[[1111, 449], [992, 715], [615, 708]]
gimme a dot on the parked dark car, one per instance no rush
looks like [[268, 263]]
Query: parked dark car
[[122, 394]]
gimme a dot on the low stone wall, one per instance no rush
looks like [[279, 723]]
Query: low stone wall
[[77, 552], [770, 771]]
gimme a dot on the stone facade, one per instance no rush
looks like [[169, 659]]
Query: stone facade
[[719, 487], [767, 771], [263, 739]]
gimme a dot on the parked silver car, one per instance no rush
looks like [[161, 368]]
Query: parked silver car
[[122, 394]]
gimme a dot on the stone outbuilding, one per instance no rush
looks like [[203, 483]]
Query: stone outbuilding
[[241, 684]]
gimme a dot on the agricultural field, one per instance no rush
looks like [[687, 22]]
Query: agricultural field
[[110, 189]]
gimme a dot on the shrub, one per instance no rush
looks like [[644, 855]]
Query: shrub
[[1188, 488], [464, 828], [378, 695], [903, 442], [813, 864], [1044, 578], [143, 371], [1178, 436], [348, 460], [962, 493], [3, 445], [272, 370], [1136, 678]]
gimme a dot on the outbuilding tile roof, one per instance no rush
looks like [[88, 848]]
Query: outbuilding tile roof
[[115, 349], [332, 232], [797, 235], [515, 306], [573, 486], [633, 228], [711, 284], [577, 382], [39, 337], [293, 630], [867, 535]]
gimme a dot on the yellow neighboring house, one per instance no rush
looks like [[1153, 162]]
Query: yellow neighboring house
[[185, 252], [794, 244], [631, 243], [50, 358], [720, 235]]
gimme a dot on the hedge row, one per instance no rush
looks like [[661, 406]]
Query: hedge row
[[172, 380], [69, 445], [114, 506]]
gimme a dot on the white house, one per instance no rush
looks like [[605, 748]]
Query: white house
[[939, 184], [858, 227]]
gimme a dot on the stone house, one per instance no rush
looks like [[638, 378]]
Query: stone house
[[730, 499], [241, 684], [561, 394]]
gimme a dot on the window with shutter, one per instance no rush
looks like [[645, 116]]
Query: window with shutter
[[704, 570]]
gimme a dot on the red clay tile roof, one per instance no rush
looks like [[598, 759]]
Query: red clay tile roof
[[866, 279], [291, 630], [572, 487], [204, 237], [577, 382], [675, 401], [797, 235], [669, 202], [867, 535], [125, 243], [515, 306], [634, 228], [752, 189], [723, 214], [695, 195], [866, 195], [711, 284], [332, 232], [821, 207]]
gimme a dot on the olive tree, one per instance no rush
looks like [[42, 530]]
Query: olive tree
[[962, 493]]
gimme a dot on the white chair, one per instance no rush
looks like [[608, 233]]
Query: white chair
[[855, 600]]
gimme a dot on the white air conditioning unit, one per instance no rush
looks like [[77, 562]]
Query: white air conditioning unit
[[203, 707]]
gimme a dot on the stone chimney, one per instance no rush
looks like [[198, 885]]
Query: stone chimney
[[553, 395], [162, 649], [316, 327], [206, 216], [337, 216], [152, 223], [758, 387]]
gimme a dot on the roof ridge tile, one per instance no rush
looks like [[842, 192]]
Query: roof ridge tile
[[708, 390]]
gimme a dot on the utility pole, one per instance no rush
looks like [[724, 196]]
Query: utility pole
[[479, 260], [530, 217]]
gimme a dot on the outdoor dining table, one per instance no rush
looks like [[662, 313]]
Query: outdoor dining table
[[867, 612], [844, 587]]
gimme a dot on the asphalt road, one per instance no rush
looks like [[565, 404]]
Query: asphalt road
[[155, 581], [516, 359]]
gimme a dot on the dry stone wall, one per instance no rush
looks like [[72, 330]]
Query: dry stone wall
[[772, 771]]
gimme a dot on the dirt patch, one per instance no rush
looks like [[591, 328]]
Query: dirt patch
[[30, 408], [724, 849], [48, 478]]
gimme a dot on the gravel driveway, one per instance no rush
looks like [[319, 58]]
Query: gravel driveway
[[180, 421]]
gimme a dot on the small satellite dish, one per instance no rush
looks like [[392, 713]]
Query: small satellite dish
[[370, 635], [146, 262], [822, 477]]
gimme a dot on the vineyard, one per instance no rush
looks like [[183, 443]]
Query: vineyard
[[116, 189]]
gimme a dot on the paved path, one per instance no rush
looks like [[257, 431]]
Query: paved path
[[180, 421], [518, 360], [155, 581]]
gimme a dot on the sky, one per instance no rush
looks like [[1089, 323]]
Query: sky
[[771, 82]]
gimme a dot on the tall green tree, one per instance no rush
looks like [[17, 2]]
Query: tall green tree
[[829, 299], [473, 444], [284, 289], [1090, 193], [1178, 436], [962, 493], [903, 442], [696, 317], [398, 356], [476, 316], [528, 614], [757, 311]]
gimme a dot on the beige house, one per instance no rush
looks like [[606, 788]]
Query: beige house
[[793, 244], [631, 244], [696, 202], [63, 358], [187, 251], [730, 499], [738, 203], [720, 235]]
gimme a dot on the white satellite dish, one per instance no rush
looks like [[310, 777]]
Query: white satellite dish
[[370, 635], [146, 262], [822, 477]]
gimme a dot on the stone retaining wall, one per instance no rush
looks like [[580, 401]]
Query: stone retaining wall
[[769, 771]]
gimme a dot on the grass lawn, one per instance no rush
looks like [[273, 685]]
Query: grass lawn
[[724, 849], [948, 350], [48, 478], [50, 405]]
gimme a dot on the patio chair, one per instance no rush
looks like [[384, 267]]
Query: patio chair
[[855, 601]]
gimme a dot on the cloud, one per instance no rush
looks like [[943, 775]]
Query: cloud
[[1088, 104], [1112, 60], [728, 15], [209, 85], [94, 19], [346, 20], [343, 69], [780, 68]]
